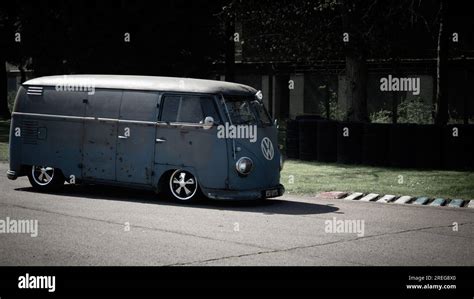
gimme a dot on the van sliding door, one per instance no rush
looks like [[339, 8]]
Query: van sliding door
[[100, 135], [136, 137]]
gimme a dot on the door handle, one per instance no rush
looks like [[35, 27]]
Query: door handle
[[160, 140], [123, 137]]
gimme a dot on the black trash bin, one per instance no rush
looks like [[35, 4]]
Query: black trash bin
[[375, 144], [307, 139], [401, 145], [349, 142], [292, 140], [458, 147], [326, 141], [427, 146]]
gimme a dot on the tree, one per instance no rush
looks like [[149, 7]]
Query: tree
[[169, 37], [442, 115], [311, 33], [7, 30], [4, 111], [356, 62], [229, 50]]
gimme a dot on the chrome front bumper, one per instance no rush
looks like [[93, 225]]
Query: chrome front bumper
[[11, 175], [219, 194]]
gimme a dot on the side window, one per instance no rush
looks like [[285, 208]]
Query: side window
[[188, 109], [209, 108], [170, 108], [139, 105]]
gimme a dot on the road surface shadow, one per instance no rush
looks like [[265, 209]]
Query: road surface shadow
[[267, 206]]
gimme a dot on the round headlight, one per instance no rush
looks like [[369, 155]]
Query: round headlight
[[244, 165]]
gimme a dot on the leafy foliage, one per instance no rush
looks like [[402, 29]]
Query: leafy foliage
[[170, 37], [11, 99], [335, 112], [309, 31], [382, 116], [413, 111]]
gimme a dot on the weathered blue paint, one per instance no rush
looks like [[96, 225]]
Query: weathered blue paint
[[85, 135]]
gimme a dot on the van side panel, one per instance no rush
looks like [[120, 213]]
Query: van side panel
[[100, 134], [136, 147], [196, 148], [51, 129], [187, 146], [15, 146]]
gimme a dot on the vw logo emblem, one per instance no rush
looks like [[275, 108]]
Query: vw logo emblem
[[267, 148]]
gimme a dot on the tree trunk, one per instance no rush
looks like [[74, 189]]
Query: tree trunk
[[22, 73], [229, 51], [327, 103], [441, 117], [466, 95], [4, 111], [356, 72], [395, 94], [356, 65]]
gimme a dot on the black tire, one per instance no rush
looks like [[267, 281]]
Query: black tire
[[183, 186], [45, 179]]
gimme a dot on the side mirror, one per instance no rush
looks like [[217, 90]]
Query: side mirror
[[208, 122]]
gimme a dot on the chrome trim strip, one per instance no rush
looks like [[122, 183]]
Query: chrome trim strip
[[104, 119], [52, 116], [139, 122], [177, 124]]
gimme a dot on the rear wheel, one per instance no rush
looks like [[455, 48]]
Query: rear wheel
[[45, 178], [183, 186]]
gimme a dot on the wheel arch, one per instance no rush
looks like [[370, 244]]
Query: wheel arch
[[163, 180]]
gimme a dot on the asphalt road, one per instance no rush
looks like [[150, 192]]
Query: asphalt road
[[88, 225]]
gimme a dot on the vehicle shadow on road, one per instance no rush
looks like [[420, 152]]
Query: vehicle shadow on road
[[267, 206]]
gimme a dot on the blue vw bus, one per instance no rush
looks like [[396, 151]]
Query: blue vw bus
[[175, 135]]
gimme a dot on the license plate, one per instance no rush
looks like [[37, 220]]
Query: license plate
[[271, 193]]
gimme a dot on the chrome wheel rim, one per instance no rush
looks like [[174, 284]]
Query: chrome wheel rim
[[42, 175], [183, 184]]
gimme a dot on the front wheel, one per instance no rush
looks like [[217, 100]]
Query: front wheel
[[183, 185], [44, 178]]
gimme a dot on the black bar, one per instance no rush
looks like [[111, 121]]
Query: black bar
[[291, 282]]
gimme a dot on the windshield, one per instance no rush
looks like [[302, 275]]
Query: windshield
[[247, 111]]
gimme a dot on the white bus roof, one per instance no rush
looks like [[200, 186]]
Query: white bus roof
[[172, 84]]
